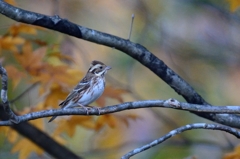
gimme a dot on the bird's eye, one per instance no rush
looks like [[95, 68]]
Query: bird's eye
[[100, 67]]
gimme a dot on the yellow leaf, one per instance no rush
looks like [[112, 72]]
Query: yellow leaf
[[25, 148], [10, 134], [22, 28], [233, 155], [38, 123], [15, 40], [39, 42], [61, 75], [59, 139], [126, 118], [56, 57], [234, 5], [14, 74], [69, 125], [74, 76], [10, 43], [12, 2], [108, 119], [34, 63], [111, 137], [55, 95], [4, 129]]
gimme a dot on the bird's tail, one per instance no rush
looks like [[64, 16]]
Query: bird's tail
[[54, 117]]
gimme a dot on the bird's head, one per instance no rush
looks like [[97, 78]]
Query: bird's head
[[98, 68]]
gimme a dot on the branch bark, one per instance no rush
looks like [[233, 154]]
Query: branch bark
[[170, 103], [180, 130], [13, 118], [40, 138]]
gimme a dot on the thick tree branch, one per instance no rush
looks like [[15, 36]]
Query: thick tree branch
[[134, 50], [4, 97], [170, 103], [40, 138], [180, 130]]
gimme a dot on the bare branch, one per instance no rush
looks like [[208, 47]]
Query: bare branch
[[130, 32], [37, 136], [180, 130], [13, 118], [171, 103]]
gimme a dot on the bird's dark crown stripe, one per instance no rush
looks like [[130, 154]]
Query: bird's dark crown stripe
[[97, 62]]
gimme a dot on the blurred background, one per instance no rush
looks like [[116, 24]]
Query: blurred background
[[199, 40]]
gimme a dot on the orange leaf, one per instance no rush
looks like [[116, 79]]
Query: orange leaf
[[61, 56], [39, 42], [10, 43], [234, 5], [55, 94], [233, 155], [59, 139], [12, 2], [126, 118], [61, 75], [31, 61], [14, 74], [22, 28], [110, 92], [38, 123], [25, 148], [45, 79], [11, 134], [69, 125], [108, 119]]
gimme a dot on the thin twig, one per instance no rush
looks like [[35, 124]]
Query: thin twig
[[24, 92], [172, 133], [130, 32]]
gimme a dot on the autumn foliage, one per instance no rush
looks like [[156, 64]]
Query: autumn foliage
[[31, 61]]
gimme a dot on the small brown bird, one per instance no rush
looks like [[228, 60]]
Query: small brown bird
[[89, 89]]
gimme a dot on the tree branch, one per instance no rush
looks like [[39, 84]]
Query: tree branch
[[180, 130], [40, 138], [13, 118], [134, 50], [170, 103]]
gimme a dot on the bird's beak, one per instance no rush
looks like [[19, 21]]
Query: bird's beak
[[108, 68]]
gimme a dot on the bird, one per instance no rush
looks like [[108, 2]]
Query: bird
[[89, 89]]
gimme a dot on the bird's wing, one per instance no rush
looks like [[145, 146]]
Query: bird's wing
[[76, 92]]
